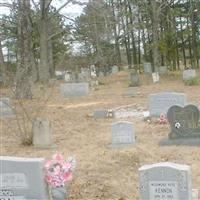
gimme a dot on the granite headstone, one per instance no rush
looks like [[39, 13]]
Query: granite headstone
[[147, 68], [188, 74], [159, 103], [22, 179], [165, 181], [5, 107], [123, 134], [74, 89]]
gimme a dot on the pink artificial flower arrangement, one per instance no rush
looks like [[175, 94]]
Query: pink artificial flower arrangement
[[58, 171], [162, 119]]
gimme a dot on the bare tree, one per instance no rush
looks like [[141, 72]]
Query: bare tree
[[23, 81]]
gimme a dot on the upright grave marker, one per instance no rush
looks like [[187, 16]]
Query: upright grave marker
[[42, 133], [162, 70], [74, 89], [160, 102], [184, 126], [115, 69], [165, 181], [155, 77], [22, 178], [5, 107], [123, 134], [134, 79], [147, 68], [188, 74]]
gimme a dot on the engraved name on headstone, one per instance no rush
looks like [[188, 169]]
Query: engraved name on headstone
[[165, 181]]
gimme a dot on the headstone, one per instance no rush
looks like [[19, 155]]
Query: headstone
[[155, 77], [67, 77], [115, 69], [42, 133], [60, 75], [185, 129], [134, 79], [165, 181], [5, 107], [22, 179], [159, 103], [147, 68], [94, 83], [188, 74], [123, 134], [74, 89], [163, 70], [101, 113]]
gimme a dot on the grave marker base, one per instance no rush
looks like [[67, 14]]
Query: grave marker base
[[53, 146], [120, 146], [180, 141]]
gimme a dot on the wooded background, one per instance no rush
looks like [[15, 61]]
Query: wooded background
[[39, 39]]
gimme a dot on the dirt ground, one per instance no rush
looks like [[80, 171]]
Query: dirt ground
[[102, 173]]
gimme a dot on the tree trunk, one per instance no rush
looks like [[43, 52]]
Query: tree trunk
[[44, 66], [2, 66], [155, 34], [23, 75]]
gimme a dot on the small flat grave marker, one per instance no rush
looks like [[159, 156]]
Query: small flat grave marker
[[122, 134], [100, 113], [159, 103], [74, 89], [165, 181], [22, 178]]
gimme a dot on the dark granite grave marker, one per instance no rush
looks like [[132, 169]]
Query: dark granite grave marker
[[184, 126]]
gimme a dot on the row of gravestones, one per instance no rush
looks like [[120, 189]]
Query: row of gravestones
[[85, 75], [23, 179], [183, 119], [187, 74]]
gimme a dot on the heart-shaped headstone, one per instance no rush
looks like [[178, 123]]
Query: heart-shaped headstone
[[184, 121]]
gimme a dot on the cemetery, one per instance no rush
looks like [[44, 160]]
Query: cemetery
[[108, 135], [99, 100]]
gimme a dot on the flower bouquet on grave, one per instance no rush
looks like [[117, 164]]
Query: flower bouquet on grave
[[58, 172], [162, 119]]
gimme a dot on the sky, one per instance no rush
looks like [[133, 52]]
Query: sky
[[71, 10]]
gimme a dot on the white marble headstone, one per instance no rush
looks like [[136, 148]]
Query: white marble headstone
[[165, 181], [155, 77], [22, 178]]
